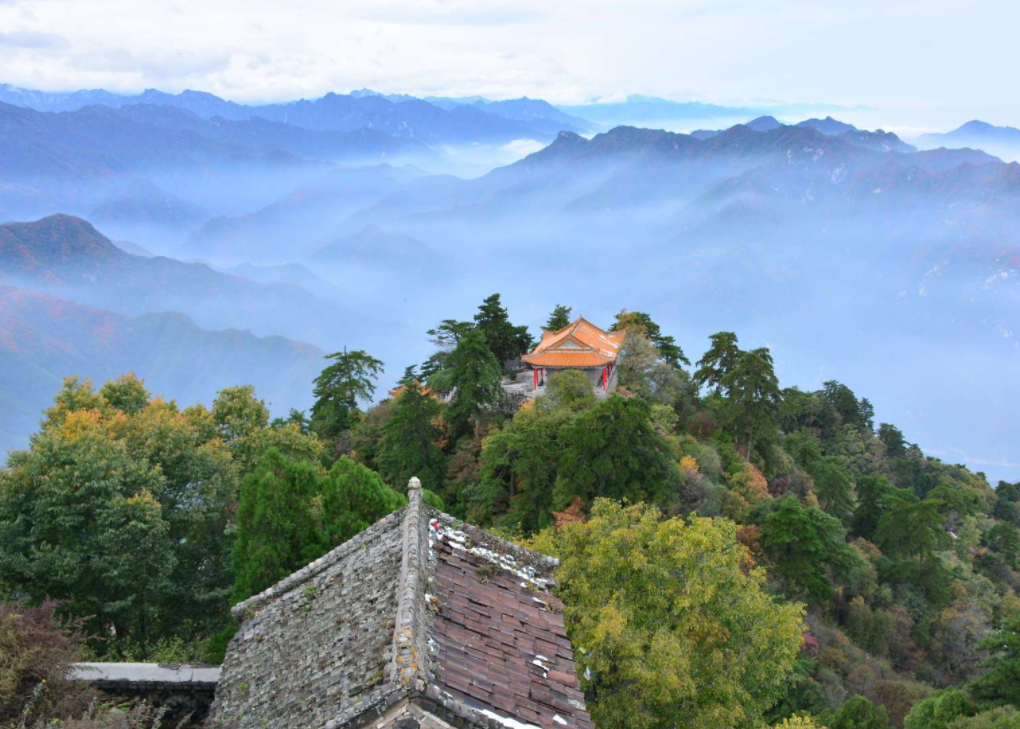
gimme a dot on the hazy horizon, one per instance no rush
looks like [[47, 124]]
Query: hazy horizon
[[733, 53]]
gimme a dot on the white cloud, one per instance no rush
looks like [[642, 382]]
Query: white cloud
[[30, 39], [522, 147], [883, 53]]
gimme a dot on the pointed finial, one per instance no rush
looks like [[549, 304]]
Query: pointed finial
[[414, 484]]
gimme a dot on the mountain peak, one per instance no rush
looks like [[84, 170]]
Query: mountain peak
[[764, 124], [54, 239], [976, 125]]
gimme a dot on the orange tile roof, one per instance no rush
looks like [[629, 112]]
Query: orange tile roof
[[423, 389], [577, 358], [580, 344]]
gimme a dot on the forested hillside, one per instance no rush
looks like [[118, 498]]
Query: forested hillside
[[735, 552]]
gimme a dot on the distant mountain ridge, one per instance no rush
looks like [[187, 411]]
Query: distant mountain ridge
[[45, 338], [66, 256], [1001, 141], [788, 171], [878, 141], [81, 159], [400, 116]]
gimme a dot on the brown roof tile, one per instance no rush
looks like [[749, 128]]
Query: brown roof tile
[[525, 635]]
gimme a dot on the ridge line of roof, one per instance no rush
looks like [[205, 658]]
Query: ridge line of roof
[[409, 667]]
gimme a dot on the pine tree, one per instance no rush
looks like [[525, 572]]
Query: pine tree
[[475, 377], [340, 387], [893, 440], [559, 318], [718, 361], [754, 396], [505, 340], [408, 446], [807, 546], [445, 337]]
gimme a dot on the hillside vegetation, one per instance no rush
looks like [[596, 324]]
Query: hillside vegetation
[[734, 553]]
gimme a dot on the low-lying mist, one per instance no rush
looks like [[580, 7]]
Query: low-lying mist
[[887, 273]]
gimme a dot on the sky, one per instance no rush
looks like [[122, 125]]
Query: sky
[[909, 55]]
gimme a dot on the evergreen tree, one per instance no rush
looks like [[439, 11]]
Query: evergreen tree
[[339, 388], [893, 440], [910, 534], [504, 340], [1004, 540], [275, 530], [408, 446], [858, 413], [613, 450], [474, 376], [911, 528], [859, 713], [295, 417], [354, 498], [754, 397], [717, 362], [559, 318], [873, 494], [1001, 684], [807, 546], [834, 487], [445, 337], [518, 470]]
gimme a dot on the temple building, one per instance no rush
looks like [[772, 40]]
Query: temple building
[[420, 621], [579, 346], [422, 388]]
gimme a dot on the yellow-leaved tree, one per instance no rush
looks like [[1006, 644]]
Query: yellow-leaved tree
[[670, 623], [798, 722]]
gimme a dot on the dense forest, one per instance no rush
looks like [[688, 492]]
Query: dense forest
[[733, 553]]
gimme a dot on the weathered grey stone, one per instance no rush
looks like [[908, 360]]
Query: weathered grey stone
[[357, 638]]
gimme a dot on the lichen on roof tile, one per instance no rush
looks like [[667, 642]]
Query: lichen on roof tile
[[419, 615]]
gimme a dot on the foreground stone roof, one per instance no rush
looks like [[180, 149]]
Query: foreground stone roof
[[418, 621]]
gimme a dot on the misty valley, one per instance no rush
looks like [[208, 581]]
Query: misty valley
[[259, 238]]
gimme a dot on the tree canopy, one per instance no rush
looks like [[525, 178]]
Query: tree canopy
[[661, 609]]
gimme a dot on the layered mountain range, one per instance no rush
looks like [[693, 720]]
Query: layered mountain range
[[66, 256], [323, 221]]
